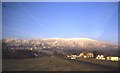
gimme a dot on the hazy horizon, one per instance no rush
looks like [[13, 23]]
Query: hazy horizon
[[94, 20]]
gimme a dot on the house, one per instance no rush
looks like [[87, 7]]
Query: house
[[72, 56], [90, 55], [100, 57], [68, 56], [81, 55], [86, 55], [113, 58]]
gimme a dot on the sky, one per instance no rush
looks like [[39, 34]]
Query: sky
[[95, 20]]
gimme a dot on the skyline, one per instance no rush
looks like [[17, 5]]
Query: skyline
[[95, 20]]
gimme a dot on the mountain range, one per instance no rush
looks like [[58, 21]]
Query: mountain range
[[75, 43], [64, 45]]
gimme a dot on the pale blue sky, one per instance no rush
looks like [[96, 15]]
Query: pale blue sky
[[96, 20]]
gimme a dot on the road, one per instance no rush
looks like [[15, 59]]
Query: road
[[94, 67]]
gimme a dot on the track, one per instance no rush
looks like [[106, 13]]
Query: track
[[94, 67]]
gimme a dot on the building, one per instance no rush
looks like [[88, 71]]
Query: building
[[86, 55], [90, 55], [100, 57], [113, 58], [72, 56], [83, 55]]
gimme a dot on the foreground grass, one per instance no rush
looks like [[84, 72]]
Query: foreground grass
[[46, 64], [36, 64]]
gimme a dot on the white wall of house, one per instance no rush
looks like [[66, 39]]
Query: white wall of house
[[81, 55], [73, 57], [90, 55], [113, 58], [100, 57]]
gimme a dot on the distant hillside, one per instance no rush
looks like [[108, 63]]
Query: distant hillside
[[81, 43], [56, 46], [61, 43]]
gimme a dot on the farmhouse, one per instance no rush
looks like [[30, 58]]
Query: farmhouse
[[72, 56], [90, 55], [86, 55], [100, 57], [113, 58], [83, 55]]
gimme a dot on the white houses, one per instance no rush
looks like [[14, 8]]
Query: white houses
[[100, 57], [86, 55], [72, 56], [113, 58], [90, 55], [83, 55]]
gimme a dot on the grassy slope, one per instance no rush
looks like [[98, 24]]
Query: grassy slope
[[43, 63]]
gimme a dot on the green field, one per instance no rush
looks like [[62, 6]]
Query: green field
[[48, 63]]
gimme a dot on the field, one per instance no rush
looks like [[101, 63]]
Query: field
[[48, 63]]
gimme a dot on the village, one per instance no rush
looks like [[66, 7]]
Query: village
[[91, 55]]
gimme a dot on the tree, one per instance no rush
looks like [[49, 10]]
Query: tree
[[95, 54]]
